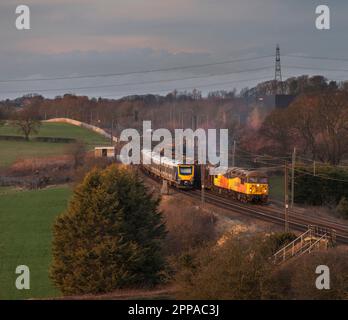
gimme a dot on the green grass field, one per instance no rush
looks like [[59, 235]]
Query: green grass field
[[14, 150], [26, 219]]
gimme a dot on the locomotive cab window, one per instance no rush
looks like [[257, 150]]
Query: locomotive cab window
[[185, 170], [263, 180]]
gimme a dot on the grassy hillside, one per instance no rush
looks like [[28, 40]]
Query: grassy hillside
[[14, 150], [26, 219]]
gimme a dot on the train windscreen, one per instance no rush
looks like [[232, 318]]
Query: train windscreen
[[262, 180], [185, 170]]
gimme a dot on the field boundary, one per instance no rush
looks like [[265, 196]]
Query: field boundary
[[83, 125]]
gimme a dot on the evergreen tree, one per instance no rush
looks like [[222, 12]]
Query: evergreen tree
[[110, 237]]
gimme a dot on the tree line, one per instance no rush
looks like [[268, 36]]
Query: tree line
[[316, 124]]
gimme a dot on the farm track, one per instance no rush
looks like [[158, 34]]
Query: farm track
[[297, 221]]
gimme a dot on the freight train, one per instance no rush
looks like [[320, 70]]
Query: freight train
[[249, 186], [240, 184]]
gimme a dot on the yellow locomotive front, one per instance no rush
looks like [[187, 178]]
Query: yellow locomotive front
[[256, 187], [185, 176], [243, 185]]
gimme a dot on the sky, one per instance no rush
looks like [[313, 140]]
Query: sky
[[78, 38]]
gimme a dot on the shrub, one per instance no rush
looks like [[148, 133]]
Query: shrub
[[78, 153], [188, 227], [279, 240], [318, 190], [12, 138], [296, 279], [342, 208], [236, 270], [241, 269], [54, 139], [110, 237]]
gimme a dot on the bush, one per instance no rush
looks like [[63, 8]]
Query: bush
[[54, 139], [279, 240], [110, 237], [89, 163], [12, 138], [296, 279], [238, 269], [342, 208], [187, 226], [317, 190], [241, 269], [78, 153]]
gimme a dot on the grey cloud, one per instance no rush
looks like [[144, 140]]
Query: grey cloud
[[85, 36]]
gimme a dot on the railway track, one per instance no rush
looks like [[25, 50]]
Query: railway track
[[318, 220], [297, 221]]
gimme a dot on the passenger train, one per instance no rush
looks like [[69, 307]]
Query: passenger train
[[177, 174]]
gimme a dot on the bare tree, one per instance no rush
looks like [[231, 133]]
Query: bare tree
[[302, 117], [321, 121], [27, 121], [277, 129], [315, 123], [78, 153], [2, 117], [332, 117]]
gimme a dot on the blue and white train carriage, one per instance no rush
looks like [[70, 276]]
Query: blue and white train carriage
[[177, 174]]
